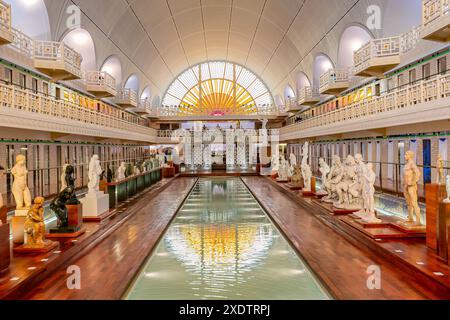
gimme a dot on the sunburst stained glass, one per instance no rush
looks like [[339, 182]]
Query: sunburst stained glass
[[217, 88]]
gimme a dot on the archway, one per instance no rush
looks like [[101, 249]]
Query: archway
[[289, 93], [113, 66], [302, 81], [322, 63], [81, 41], [352, 39], [146, 93], [31, 17], [133, 83]]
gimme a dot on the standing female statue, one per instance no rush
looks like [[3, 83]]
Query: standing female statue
[[411, 177], [20, 190], [95, 170]]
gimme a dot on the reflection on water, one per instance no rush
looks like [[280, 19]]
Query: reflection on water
[[222, 245]]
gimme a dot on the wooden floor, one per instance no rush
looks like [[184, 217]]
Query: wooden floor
[[109, 267], [341, 265]]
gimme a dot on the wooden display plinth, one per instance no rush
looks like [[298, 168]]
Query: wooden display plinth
[[443, 223], [5, 255], [333, 210], [56, 235], [4, 214], [18, 226], [295, 187], [435, 193], [418, 231], [99, 218], [49, 246], [282, 181], [168, 172], [308, 194]]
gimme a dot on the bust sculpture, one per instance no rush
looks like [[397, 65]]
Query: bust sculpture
[[20, 189], [324, 169], [333, 179], [34, 227], [95, 170], [121, 172], [448, 190], [411, 177]]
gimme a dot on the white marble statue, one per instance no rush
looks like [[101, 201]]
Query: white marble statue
[[440, 170], [324, 169], [333, 179], [447, 186], [121, 171], [95, 170], [275, 163], [368, 213], [20, 189], [411, 177], [292, 161], [283, 171], [349, 189], [306, 168], [136, 171]]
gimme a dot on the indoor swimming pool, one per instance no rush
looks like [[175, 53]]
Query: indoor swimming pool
[[222, 245]]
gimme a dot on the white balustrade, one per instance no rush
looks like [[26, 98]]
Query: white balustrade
[[127, 96], [333, 77], [308, 94], [376, 48], [435, 88], [100, 79], [5, 17], [22, 43], [433, 10]]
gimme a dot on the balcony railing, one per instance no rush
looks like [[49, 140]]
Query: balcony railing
[[334, 81], [5, 23], [436, 20], [100, 82], [22, 43], [262, 110], [308, 96], [127, 98], [59, 53], [26, 101], [424, 91]]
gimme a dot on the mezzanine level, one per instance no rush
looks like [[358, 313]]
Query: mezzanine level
[[126, 98], [6, 35], [25, 109], [308, 96], [334, 81], [436, 20], [99, 83], [423, 101]]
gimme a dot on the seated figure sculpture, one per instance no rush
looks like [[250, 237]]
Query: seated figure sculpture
[[333, 179], [34, 228], [70, 182], [349, 189], [58, 206], [20, 189]]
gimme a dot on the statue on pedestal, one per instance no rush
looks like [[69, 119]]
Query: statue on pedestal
[[275, 163], [448, 190], [20, 190], [324, 169], [63, 178], [368, 213], [121, 172], [58, 206], [283, 171], [292, 162], [34, 227], [411, 177], [70, 185], [109, 174], [349, 189], [95, 170], [136, 171], [296, 179], [306, 169], [440, 179], [334, 178]]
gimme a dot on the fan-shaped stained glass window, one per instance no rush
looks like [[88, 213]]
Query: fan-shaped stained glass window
[[216, 89]]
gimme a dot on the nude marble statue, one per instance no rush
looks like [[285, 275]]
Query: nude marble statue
[[95, 170], [333, 179], [368, 213], [411, 177], [121, 172], [324, 169], [349, 189], [20, 189], [283, 171]]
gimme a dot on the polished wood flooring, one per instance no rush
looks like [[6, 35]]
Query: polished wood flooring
[[108, 268], [340, 262], [340, 259]]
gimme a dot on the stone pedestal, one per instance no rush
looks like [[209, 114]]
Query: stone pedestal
[[95, 205], [434, 195], [18, 226], [21, 213], [443, 224], [5, 255]]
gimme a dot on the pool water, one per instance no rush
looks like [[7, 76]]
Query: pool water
[[222, 245]]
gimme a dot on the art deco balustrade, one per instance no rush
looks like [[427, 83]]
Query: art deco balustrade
[[22, 43], [436, 20], [100, 83], [57, 60], [25, 102], [424, 91], [127, 98], [308, 96], [292, 105], [6, 35], [261, 110], [334, 81]]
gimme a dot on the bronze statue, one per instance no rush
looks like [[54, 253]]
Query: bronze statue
[[34, 225], [70, 182], [58, 206]]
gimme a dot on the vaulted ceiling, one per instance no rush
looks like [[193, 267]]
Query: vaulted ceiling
[[162, 38]]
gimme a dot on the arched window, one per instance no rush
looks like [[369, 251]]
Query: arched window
[[352, 39], [146, 93], [289, 93], [81, 41], [31, 17], [113, 66], [133, 82], [302, 81], [322, 63], [217, 88]]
